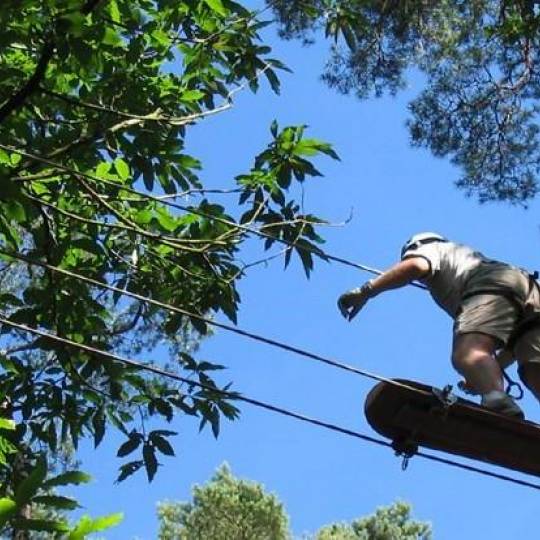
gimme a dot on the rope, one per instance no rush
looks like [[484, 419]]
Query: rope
[[261, 404], [229, 328]]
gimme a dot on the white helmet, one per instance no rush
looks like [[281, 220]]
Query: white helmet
[[419, 239]]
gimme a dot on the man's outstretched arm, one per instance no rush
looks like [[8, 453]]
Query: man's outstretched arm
[[399, 275]]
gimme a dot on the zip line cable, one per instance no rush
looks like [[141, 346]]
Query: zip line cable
[[239, 226], [260, 404], [229, 328]]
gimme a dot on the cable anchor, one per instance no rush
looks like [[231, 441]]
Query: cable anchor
[[445, 396], [406, 448]]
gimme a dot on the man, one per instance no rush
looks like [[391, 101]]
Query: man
[[495, 307]]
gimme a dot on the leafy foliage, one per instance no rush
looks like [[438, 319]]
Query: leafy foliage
[[227, 507], [6, 447], [480, 62], [224, 508], [387, 523], [35, 491], [96, 100]]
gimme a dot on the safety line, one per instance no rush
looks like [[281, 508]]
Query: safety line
[[258, 403], [230, 328], [478, 470], [318, 252]]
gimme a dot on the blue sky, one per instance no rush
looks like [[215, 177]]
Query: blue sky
[[395, 191]]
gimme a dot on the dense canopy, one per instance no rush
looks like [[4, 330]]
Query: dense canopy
[[477, 61]]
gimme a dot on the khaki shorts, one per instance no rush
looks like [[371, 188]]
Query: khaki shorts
[[490, 314], [497, 316]]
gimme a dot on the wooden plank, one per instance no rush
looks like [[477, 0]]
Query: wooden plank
[[415, 415]]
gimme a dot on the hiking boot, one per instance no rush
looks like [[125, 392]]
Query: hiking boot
[[500, 402]]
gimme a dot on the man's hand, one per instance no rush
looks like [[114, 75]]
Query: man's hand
[[351, 302]]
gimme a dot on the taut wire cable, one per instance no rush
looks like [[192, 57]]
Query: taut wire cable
[[260, 404], [256, 337]]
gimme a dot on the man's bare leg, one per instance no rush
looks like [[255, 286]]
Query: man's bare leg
[[473, 357]]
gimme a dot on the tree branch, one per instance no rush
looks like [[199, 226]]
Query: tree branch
[[157, 115], [18, 99], [126, 226], [167, 196]]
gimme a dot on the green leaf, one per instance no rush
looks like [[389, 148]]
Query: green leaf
[[41, 525], [8, 508], [5, 423], [349, 36], [122, 168], [114, 11], [98, 423], [166, 220], [162, 444], [67, 478], [111, 37], [161, 37], [10, 233], [192, 95], [307, 147], [75, 22], [103, 169], [130, 445], [14, 210], [273, 80], [164, 408], [88, 245], [11, 365], [128, 469], [6, 448], [30, 485], [217, 6], [150, 461], [86, 525], [56, 501], [15, 158]]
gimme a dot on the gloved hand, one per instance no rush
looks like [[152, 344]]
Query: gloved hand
[[351, 302]]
